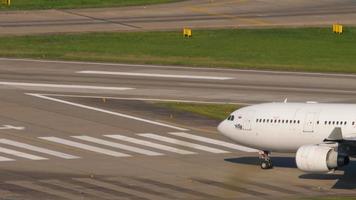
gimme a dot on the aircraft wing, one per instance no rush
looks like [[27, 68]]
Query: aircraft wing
[[336, 136], [346, 144], [351, 139]]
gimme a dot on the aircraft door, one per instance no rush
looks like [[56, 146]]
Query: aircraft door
[[247, 120], [309, 123]]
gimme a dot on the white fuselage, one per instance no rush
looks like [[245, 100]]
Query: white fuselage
[[284, 127]]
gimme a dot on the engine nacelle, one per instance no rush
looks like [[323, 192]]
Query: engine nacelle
[[318, 158]]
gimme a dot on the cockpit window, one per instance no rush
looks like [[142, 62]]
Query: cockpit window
[[231, 118]]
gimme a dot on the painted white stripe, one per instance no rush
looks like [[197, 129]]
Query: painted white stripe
[[155, 75], [10, 127], [182, 67], [21, 154], [146, 99], [37, 149], [48, 85], [107, 111], [4, 159], [119, 146], [150, 144], [84, 146], [213, 141], [182, 143]]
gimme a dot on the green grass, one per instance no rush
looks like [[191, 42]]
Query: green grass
[[213, 111], [62, 4], [303, 49]]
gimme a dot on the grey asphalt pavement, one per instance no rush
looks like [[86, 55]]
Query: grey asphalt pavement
[[175, 16], [70, 131]]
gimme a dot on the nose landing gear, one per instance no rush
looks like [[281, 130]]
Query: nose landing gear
[[265, 160]]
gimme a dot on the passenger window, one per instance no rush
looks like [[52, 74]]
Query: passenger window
[[337, 123], [325, 122]]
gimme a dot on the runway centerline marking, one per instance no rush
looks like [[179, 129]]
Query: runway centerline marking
[[183, 143], [155, 75], [10, 127], [85, 146], [183, 67], [213, 141], [63, 86], [117, 145], [107, 111], [37, 149], [150, 144]]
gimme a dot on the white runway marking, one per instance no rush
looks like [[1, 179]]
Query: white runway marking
[[213, 141], [181, 67], [155, 75], [10, 127], [107, 111], [21, 154], [150, 144], [84, 146], [37, 149], [4, 159], [183, 143], [48, 85], [117, 145], [146, 99]]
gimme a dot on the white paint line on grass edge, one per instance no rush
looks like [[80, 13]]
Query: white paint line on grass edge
[[106, 111]]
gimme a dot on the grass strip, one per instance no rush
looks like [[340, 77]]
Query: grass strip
[[212, 111], [299, 49], [64, 4]]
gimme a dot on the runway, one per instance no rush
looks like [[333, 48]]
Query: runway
[[175, 16], [75, 130], [175, 83]]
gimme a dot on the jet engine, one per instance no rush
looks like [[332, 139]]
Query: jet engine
[[319, 158]]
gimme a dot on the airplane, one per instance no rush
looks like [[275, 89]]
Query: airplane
[[323, 135]]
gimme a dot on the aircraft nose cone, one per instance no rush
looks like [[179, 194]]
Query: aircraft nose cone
[[222, 127]]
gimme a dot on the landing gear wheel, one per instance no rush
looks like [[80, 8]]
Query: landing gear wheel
[[266, 162]]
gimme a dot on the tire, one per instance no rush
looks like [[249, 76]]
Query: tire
[[264, 165]]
